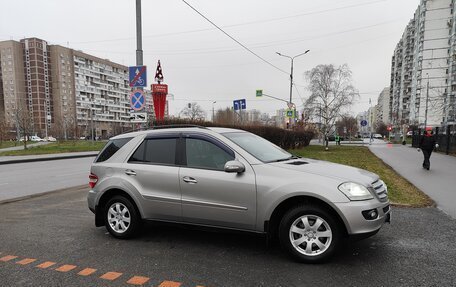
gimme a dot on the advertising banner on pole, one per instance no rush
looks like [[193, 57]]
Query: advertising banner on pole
[[159, 92]]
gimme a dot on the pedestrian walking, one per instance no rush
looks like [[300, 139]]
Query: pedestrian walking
[[427, 145], [337, 140]]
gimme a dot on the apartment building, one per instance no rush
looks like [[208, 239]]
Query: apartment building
[[65, 93], [382, 107], [12, 82], [422, 66]]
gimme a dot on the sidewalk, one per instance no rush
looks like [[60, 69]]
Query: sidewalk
[[439, 182], [44, 157], [20, 146]]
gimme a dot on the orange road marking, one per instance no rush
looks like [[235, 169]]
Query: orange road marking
[[138, 280], [45, 264], [87, 272], [111, 276], [170, 284], [65, 268], [8, 258], [26, 261]]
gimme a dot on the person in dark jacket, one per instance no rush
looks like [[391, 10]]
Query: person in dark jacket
[[427, 145]]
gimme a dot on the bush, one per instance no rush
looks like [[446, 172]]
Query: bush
[[287, 139]]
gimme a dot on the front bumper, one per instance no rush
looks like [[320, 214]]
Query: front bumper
[[356, 223]]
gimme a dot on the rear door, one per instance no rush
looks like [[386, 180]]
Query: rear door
[[153, 171], [210, 195]]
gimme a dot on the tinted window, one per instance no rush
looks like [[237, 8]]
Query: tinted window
[[139, 153], [203, 154], [111, 148], [162, 151]]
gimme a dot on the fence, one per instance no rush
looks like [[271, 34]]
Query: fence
[[444, 136]]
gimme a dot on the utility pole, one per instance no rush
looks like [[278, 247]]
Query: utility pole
[[291, 80], [139, 51], [213, 110]]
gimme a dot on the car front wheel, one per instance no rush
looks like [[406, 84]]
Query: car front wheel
[[309, 234], [121, 218]]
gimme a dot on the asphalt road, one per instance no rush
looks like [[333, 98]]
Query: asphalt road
[[417, 249], [25, 179]]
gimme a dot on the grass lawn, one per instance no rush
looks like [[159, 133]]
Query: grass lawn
[[400, 191], [59, 147], [5, 144]]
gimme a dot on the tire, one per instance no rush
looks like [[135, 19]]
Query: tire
[[303, 240], [121, 217]]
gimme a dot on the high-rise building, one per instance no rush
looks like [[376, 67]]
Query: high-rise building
[[65, 93], [383, 107], [421, 89], [12, 82]]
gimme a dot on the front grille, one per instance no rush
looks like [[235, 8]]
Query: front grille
[[380, 190]]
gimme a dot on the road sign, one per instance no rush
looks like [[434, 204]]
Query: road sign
[[363, 123], [239, 104], [137, 76], [290, 113], [259, 93], [137, 100], [138, 117]]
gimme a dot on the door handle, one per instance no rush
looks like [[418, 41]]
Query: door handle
[[130, 172], [190, 180]]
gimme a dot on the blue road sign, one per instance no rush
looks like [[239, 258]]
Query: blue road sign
[[137, 100], [137, 76], [239, 104], [363, 123]]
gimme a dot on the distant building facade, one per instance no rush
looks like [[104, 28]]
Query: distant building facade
[[67, 93], [423, 71]]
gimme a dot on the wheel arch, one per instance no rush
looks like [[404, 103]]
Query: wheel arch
[[105, 197], [271, 226]]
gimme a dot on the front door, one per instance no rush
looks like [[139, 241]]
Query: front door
[[211, 196]]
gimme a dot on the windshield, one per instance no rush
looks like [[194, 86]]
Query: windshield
[[258, 147]]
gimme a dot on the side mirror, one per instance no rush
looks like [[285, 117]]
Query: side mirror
[[234, 166]]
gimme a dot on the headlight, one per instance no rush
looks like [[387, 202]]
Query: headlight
[[355, 191]]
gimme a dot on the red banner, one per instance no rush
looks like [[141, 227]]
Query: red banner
[[159, 92]]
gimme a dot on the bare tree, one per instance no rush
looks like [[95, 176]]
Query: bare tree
[[331, 87], [226, 116], [193, 111], [4, 129], [24, 123], [347, 125]]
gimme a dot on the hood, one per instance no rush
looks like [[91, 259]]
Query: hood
[[328, 169]]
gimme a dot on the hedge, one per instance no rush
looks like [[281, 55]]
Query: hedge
[[287, 139]]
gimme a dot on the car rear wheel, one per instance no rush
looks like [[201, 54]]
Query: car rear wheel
[[121, 217], [309, 234]]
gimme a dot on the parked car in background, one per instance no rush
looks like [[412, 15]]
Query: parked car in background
[[377, 136], [36, 139], [409, 133], [50, 139], [228, 178]]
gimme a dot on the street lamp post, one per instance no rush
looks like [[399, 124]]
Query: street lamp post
[[291, 76], [213, 110]]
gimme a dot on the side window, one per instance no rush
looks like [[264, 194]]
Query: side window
[[158, 151], [204, 154], [138, 155], [111, 148]]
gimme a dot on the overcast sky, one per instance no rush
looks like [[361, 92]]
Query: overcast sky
[[201, 64]]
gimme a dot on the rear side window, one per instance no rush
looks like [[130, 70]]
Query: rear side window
[[111, 148], [156, 151]]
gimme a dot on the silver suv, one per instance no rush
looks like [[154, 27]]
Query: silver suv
[[233, 179]]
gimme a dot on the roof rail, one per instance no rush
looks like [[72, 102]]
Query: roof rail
[[177, 126]]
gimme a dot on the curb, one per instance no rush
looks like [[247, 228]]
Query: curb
[[10, 200], [46, 158]]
